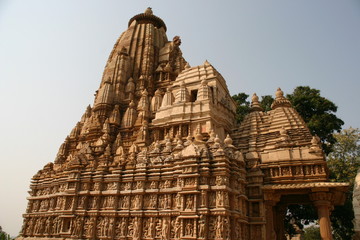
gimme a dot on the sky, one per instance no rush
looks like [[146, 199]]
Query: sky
[[52, 54]]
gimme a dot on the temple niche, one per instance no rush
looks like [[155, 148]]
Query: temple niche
[[159, 156]]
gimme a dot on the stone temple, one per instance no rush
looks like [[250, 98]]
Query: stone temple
[[159, 156]]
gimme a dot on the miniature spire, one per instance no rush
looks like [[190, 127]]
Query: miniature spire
[[167, 99], [149, 11], [156, 101], [198, 135], [280, 100], [105, 94], [228, 141], [129, 116], [115, 116], [182, 95], [106, 126], [212, 137], [255, 105], [130, 89], [204, 91], [206, 63]]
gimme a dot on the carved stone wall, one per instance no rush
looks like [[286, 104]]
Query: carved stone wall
[[153, 158]]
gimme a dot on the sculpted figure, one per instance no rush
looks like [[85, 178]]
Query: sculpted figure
[[219, 227], [189, 229], [177, 228], [165, 230], [178, 200], [136, 229], [89, 227], [201, 228], [151, 228], [30, 227], [48, 226], [153, 185], [123, 228], [76, 230], [219, 199], [152, 201], [189, 202]]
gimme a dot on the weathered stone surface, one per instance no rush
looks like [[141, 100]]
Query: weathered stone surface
[[159, 156]]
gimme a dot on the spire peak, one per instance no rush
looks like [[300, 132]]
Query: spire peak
[[148, 11]]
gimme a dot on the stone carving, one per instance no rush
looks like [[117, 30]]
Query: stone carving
[[159, 155]]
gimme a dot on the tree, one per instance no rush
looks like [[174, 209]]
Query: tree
[[266, 102], [343, 163], [318, 113], [4, 235], [312, 233], [242, 106]]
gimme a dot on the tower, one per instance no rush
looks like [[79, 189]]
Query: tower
[[159, 155]]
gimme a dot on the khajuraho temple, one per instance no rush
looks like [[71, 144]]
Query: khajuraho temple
[[159, 155]]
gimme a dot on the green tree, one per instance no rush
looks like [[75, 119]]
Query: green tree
[[4, 235], [343, 163], [318, 113], [266, 102], [242, 106], [312, 233]]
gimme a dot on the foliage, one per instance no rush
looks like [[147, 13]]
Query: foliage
[[4, 235], [344, 160], [242, 106], [312, 233], [301, 214], [266, 102], [343, 164], [318, 113]]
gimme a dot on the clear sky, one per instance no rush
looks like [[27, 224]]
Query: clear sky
[[52, 54]]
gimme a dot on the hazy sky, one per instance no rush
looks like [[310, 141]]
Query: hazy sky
[[52, 54]]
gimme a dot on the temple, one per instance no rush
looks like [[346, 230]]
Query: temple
[[159, 155]]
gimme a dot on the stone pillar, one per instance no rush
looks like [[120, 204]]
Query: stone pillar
[[323, 203], [270, 232], [271, 200]]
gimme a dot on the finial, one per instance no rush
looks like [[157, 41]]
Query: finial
[[187, 66], [315, 140], [149, 11], [132, 104], [206, 63], [254, 98], [255, 105], [198, 135], [228, 140], [158, 92], [280, 100], [217, 139], [212, 136], [279, 93], [177, 40], [144, 92], [168, 68], [108, 80]]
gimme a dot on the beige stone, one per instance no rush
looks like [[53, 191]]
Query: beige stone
[[159, 156]]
